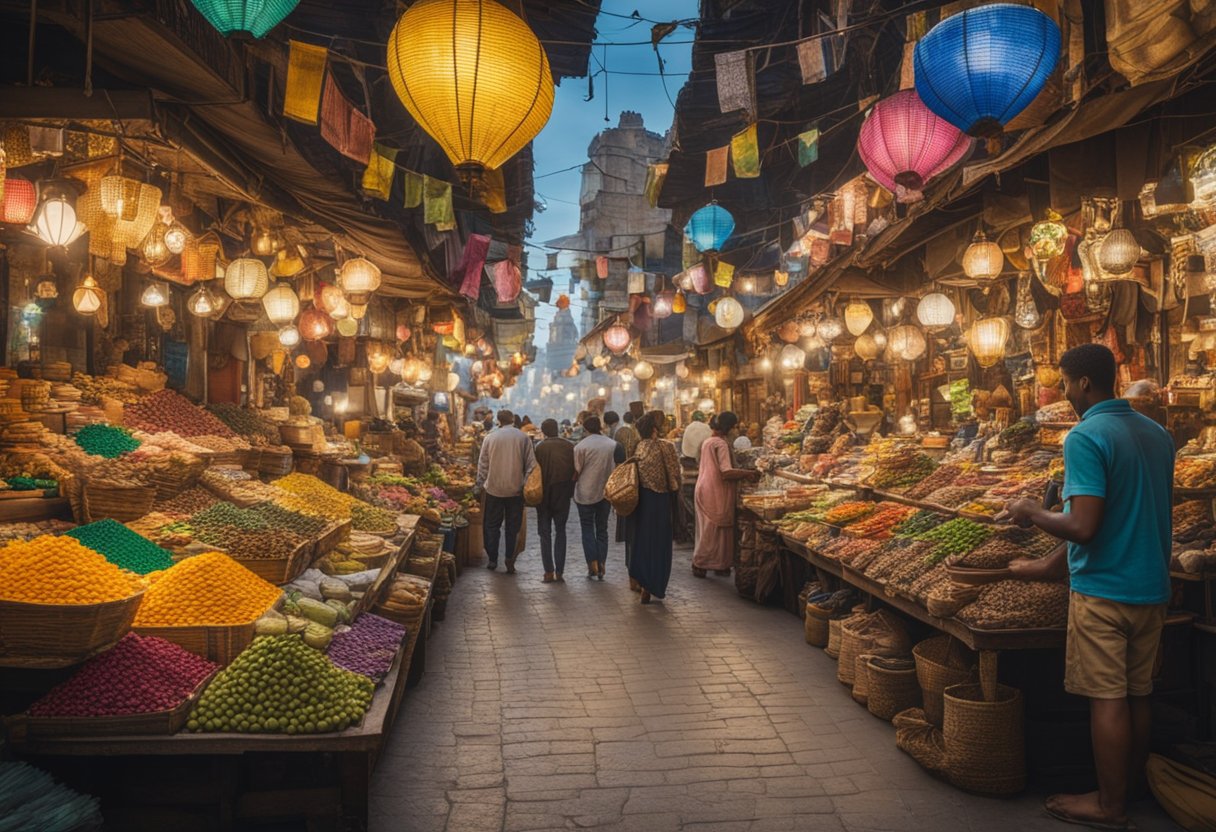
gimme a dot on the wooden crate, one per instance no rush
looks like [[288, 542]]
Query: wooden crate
[[59, 635], [156, 723], [219, 644], [282, 570]]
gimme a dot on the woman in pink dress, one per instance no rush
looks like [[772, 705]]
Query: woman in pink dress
[[715, 499]]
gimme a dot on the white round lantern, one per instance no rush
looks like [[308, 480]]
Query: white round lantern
[[857, 317], [154, 296], [358, 279], [983, 259], [682, 370], [906, 342], [829, 329], [934, 310], [289, 336], [281, 303], [246, 279], [987, 339], [729, 313], [791, 358], [643, 370], [56, 223]]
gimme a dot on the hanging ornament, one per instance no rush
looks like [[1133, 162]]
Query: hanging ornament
[[154, 296], [858, 316], [403, 333], [246, 279], [904, 145], [829, 329], [88, 296], [202, 303], [791, 358], [983, 259], [1119, 252], [643, 370], [906, 343], [987, 339], [56, 224], [935, 310], [709, 228], [289, 336], [154, 249], [281, 304], [1025, 312], [617, 338], [662, 306], [682, 371], [176, 237], [781, 278], [315, 325], [729, 314], [1048, 237], [866, 347], [679, 303]]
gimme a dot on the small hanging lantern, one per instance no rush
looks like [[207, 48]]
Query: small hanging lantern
[[682, 371], [347, 327], [154, 296], [983, 259], [789, 332], [315, 325], [662, 306], [1119, 252], [679, 303], [791, 358], [154, 249], [244, 18], [358, 311], [202, 303], [729, 313], [709, 228], [1048, 237], [643, 370], [781, 277], [119, 197], [176, 237], [866, 347], [281, 304], [330, 298], [246, 279], [56, 224], [303, 362], [906, 342], [20, 200], [358, 279], [404, 333], [87, 298], [935, 310], [829, 329], [46, 288], [987, 340], [858, 316], [287, 263], [617, 338], [289, 336], [1025, 312], [340, 310]]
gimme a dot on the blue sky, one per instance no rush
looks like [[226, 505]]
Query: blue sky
[[575, 122]]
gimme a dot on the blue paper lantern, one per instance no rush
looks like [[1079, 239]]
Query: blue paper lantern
[[981, 67], [245, 17], [710, 227]]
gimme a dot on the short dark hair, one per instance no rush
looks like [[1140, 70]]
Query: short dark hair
[[724, 421], [646, 426], [611, 417], [592, 424], [432, 416], [1092, 361], [629, 417], [505, 417], [549, 427]]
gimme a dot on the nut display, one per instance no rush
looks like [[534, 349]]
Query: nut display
[[1195, 472], [165, 410], [955, 537], [942, 477], [921, 521], [846, 513], [1011, 604]]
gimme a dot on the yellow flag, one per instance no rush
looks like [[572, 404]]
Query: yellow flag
[[495, 197], [724, 274], [378, 176], [437, 202], [305, 72], [745, 153]]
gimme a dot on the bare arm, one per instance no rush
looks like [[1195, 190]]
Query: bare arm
[[1079, 525]]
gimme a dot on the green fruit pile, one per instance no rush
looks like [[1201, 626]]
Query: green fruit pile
[[106, 440], [280, 685], [368, 518], [922, 521], [123, 547], [955, 537]]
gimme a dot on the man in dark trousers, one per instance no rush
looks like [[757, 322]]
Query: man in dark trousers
[[555, 457], [1118, 492], [502, 469]]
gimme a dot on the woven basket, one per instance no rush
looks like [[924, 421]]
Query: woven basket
[[916, 736], [219, 644], [851, 646], [282, 570], [892, 688], [935, 674], [58, 635], [170, 483], [119, 503], [985, 743], [816, 625], [251, 460], [833, 645], [861, 678], [158, 722]]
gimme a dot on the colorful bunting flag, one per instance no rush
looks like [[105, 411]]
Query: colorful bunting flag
[[468, 271], [305, 74], [715, 166], [808, 147], [495, 195], [736, 90], [817, 58], [437, 199], [413, 189], [507, 277], [745, 153], [346, 129], [378, 176], [656, 175], [724, 274]]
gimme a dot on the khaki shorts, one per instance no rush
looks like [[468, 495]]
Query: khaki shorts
[[1112, 647]]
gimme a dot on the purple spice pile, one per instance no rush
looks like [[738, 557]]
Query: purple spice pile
[[368, 647]]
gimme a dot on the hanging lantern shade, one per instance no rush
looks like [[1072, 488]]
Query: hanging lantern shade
[[202, 303], [340, 310], [983, 259], [55, 223], [1025, 312], [303, 362], [87, 297], [358, 279], [662, 306], [287, 263], [904, 145], [331, 299], [935, 310], [358, 311], [682, 370], [791, 358], [1119, 252], [643, 370], [789, 332], [729, 313], [46, 288], [710, 227], [289, 336], [866, 348], [987, 340], [981, 67], [474, 76], [281, 304], [154, 296], [858, 316], [119, 197], [829, 329], [154, 250], [315, 325], [377, 361], [679, 303], [246, 279], [347, 327], [1048, 237], [617, 338], [244, 18], [176, 237], [403, 333], [20, 200], [906, 342]]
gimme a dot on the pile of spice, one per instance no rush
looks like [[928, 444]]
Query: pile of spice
[[139, 675], [60, 570], [209, 589], [165, 410], [368, 518], [368, 647], [245, 422], [280, 685], [123, 547], [106, 440], [308, 495]]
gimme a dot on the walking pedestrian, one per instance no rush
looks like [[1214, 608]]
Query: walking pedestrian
[[715, 498], [694, 436], [594, 458], [555, 457], [626, 437], [612, 423], [502, 469], [1118, 485], [651, 526]]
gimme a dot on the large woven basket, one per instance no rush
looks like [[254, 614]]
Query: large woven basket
[[892, 686], [985, 743], [935, 673], [118, 503], [833, 645], [816, 625], [156, 722], [219, 644], [851, 646], [282, 570], [58, 635], [861, 678]]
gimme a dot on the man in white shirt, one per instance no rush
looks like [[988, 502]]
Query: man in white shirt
[[502, 469], [594, 459], [694, 436]]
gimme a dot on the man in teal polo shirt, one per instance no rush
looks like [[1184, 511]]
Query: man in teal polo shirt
[[1118, 490]]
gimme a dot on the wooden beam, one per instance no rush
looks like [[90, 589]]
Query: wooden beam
[[50, 102]]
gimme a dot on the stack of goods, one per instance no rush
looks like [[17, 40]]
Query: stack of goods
[[94, 389], [308, 495], [1018, 484], [1056, 413], [30, 472], [921, 521], [123, 547], [1195, 472], [11, 412], [1014, 604], [1004, 546], [30, 799], [406, 600], [59, 570], [246, 423], [280, 685], [826, 502], [27, 531], [848, 549], [237, 486], [169, 441], [955, 496], [318, 617], [421, 496], [165, 410], [138, 675], [34, 395], [944, 476], [899, 465], [848, 512], [1192, 522], [894, 556], [368, 647], [369, 518], [57, 371], [244, 533], [365, 547], [66, 396], [955, 537], [185, 504], [824, 429], [106, 441], [879, 525], [205, 590]]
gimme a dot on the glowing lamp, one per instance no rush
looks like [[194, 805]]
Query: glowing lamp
[[154, 249], [246, 279], [154, 296], [906, 342], [791, 357], [176, 237], [682, 370], [347, 327], [866, 347], [244, 18], [643, 370], [281, 304], [202, 303], [358, 311], [20, 200], [331, 298], [1048, 237], [935, 310], [474, 76], [403, 333], [1119, 252], [829, 329], [983, 259], [55, 223], [858, 316], [87, 298], [315, 325], [119, 197], [987, 340], [781, 278], [679, 303], [729, 313], [710, 227], [289, 336], [617, 338], [358, 279], [303, 362], [904, 145], [662, 306]]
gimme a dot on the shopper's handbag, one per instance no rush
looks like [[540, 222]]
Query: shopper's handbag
[[534, 487], [624, 487]]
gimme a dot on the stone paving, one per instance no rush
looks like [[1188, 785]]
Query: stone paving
[[571, 706]]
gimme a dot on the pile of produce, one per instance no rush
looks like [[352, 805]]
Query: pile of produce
[[1057, 412], [406, 599], [123, 547], [953, 496], [997, 553], [59, 570], [30, 799], [236, 486], [245, 422], [410, 495], [848, 549], [921, 521], [1193, 521], [244, 533], [1011, 604], [846, 513], [208, 589], [1018, 435], [308, 495], [280, 685], [25, 531], [890, 556], [954, 537], [369, 518], [1195, 472], [984, 506], [165, 410], [139, 675], [901, 466], [189, 502], [368, 647], [106, 440], [942, 477], [879, 524]]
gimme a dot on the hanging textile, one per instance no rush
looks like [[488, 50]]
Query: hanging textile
[[346, 129], [305, 74], [437, 199], [745, 153], [601, 267], [817, 58], [507, 278], [724, 274], [378, 176], [468, 270], [808, 147], [736, 90], [413, 189], [656, 175], [495, 196], [715, 166]]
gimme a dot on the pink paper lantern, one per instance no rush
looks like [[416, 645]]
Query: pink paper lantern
[[20, 200], [904, 145]]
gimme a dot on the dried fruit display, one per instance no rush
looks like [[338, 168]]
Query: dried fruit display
[[955, 537], [1193, 521], [165, 410], [899, 464], [895, 554], [994, 554], [953, 496], [944, 475], [846, 513], [879, 524], [846, 549], [1011, 604], [1019, 435], [1195, 472], [921, 521]]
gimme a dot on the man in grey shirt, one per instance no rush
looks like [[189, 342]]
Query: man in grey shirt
[[502, 469], [594, 459]]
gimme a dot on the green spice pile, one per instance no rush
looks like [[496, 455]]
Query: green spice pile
[[123, 547], [280, 685], [369, 518], [106, 440], [955, 537], [244, 532], [277, 517], [922, 521], [246, 423], [30, 483]]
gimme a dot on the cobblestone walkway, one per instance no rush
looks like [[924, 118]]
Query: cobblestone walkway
[[571, 706]]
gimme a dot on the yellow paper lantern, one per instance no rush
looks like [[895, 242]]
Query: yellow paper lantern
[[347, 327], [781, 278], [906, 343], [857, 316], [87, 297], [281, 304], [987, 339], [246, 279], [866, 348], [983, 259], [643, 370], [679, 304], [358, 279], [474, 76]]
